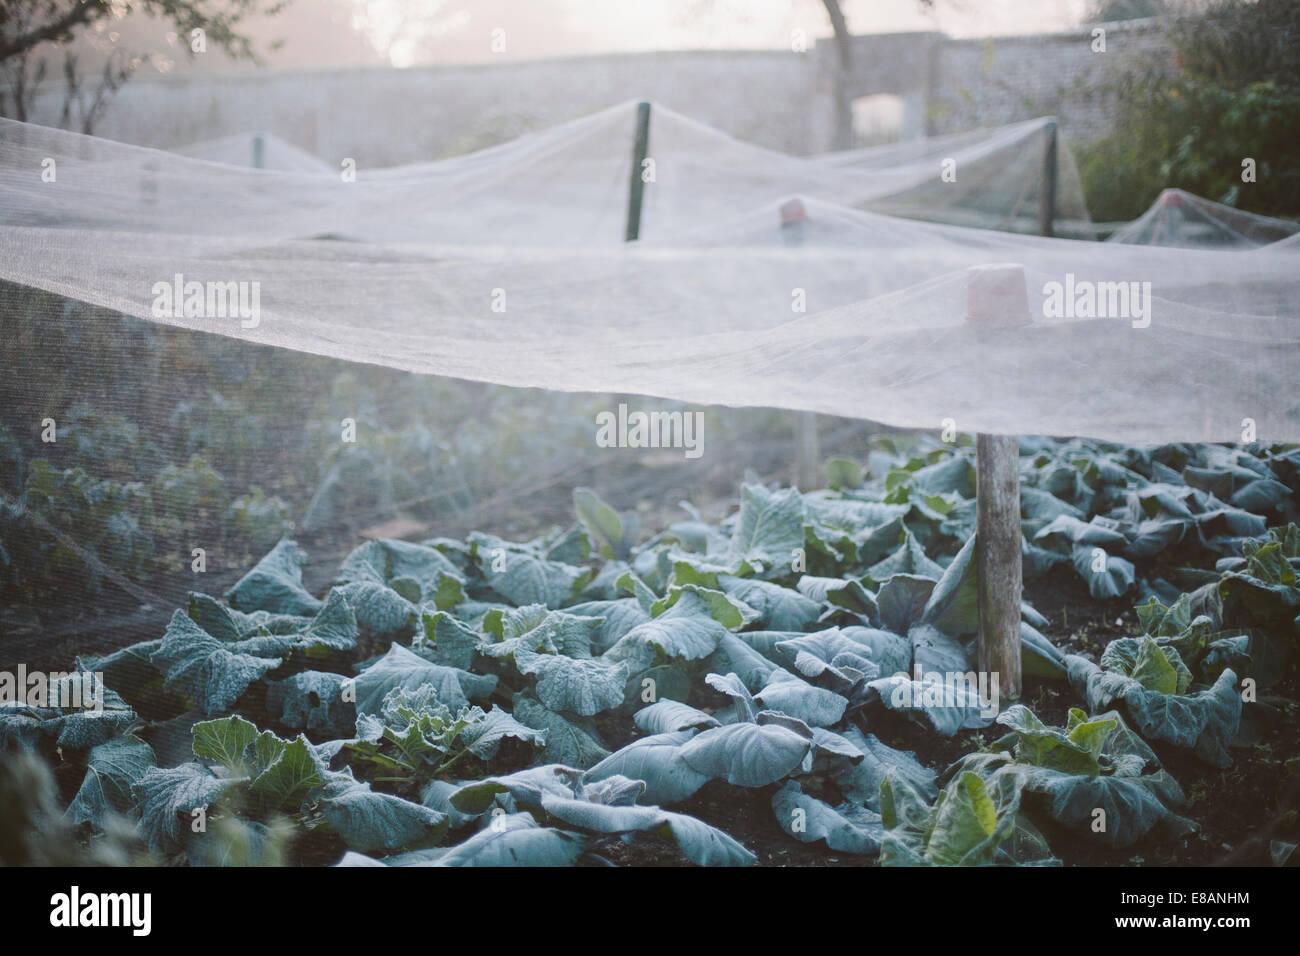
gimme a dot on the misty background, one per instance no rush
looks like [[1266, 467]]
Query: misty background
[[403, 33]]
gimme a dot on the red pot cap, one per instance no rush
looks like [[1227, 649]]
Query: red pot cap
[[793, 211]]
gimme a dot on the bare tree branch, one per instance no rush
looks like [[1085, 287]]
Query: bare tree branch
[[59, 30]]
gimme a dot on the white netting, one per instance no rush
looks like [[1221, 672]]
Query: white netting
[[507, 266], [567, 185], [997, 178], [1177, 218], [259, 150]]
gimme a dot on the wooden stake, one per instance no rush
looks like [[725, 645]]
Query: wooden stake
[[1047, 198], [808, 452], [997, 525], [997, 303], [807, 449], [1000, 298], [636, 186]]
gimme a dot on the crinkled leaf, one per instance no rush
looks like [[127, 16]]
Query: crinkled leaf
[[769, 527], [129, 671], [847, 828], [112, 769], [312, 700], [933, 652], [368, 820], [910, 558], [400, 668], [205, 670], [947, 706], [516, 841], [1067, 532], [1206, 720], [566, 741], [164, 795], [1073, 752], [965, 827], [275, 584], [789, 694], [953, 606], [747, 755], [735, 655], [583, 687], [848, 594], [694, 600], [1132, 804], [286, 779], [1114, 579], [617, 618], [700, 843], [861, 781], [780, 609], [436, 795], [734, 687], [523, 578], [657, 760], [665, 716], [902, 601], [432, 576], [892, 653], [483, 738], [672, 635], [224, 740], [524, 788], [448, 641], [334, 626], [1155, 667], [378, 608]]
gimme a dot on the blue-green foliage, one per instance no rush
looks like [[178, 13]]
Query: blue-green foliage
[[448, 702]]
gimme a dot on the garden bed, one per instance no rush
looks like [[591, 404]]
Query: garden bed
[[482, 700]]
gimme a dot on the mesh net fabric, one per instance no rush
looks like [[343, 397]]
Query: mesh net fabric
[[402, 268], [1000, 183], [1178, 218], [566, 185], [261, 150]]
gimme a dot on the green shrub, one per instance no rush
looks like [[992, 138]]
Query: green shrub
[[1230, 92]]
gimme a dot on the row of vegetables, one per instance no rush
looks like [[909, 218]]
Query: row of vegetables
[[450, 702]]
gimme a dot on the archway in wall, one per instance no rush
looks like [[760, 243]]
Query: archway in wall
[[877, 119]]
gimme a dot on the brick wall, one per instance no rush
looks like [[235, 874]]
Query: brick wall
[[987, 82], [778, 99]]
